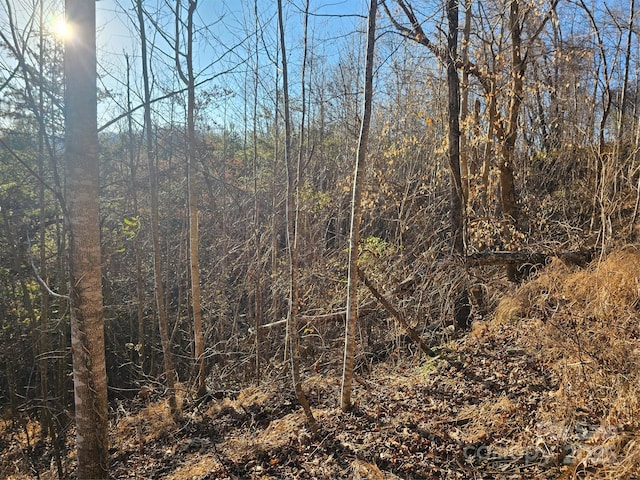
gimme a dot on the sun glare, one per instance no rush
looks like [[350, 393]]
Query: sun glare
[[61, 29]]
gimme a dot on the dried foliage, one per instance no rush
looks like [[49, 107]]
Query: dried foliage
[[583, 324], [546, 389]]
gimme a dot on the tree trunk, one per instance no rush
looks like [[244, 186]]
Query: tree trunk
[[85, 273], [354, 237], [194, 262], [293, 179], [508, 140], [258, 297], [161, 311], [140, 344], [43, 343], [275, 203], [465, 167], [453, 83]]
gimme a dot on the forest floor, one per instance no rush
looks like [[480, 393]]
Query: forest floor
[[422, 419], [542, 391]]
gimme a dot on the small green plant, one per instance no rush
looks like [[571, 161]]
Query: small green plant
[[429, 366], [130, 229], [372, 248]]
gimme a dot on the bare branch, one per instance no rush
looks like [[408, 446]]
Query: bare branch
[[40, 280]]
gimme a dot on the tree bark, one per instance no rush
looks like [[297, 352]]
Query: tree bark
[[465, 168], [508, 138], [453, 84], [163, 323], [43, 343], [140, 346], [356, 206], [258, 297], [293, 184], [85, 273], [194, 263]]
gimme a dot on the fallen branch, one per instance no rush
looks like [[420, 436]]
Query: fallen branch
[[368, 307], [397, 315], [341, 315], [371, 306], [273, 324]]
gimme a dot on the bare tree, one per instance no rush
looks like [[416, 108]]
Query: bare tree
[[188, 78], [356, 215], [163, 322], [504, 129], [465, 168], [453, 110], [449, 57], [141, 349], [44, 295], [258, 300], [605, 172], [293, 183]]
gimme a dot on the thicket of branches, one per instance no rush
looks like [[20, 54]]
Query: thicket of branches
[[574, 162]]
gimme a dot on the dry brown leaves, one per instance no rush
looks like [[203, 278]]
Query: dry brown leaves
[[548, 389], [584, 326]]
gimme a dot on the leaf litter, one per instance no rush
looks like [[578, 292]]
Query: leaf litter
[[548, 388]]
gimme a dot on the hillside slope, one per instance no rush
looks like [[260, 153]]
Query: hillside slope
[[547, 389]]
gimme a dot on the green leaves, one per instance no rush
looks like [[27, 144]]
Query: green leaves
[[131, 227], [375, 247]]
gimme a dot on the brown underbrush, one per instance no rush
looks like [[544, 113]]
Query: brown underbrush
[[584, 325], [547, 388]]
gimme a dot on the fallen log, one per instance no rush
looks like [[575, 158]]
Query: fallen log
[[397, 315], [403, 287], [580, 258]]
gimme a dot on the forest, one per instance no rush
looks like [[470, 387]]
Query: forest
[[355, 239]]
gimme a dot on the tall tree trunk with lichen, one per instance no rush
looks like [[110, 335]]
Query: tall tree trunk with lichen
[[85, 271]]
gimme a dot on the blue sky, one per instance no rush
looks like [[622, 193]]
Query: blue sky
[[329, 18], [333, 27], [230, 24]]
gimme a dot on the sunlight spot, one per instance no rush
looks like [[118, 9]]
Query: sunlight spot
[[61, 29]]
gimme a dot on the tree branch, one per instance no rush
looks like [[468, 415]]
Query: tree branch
[[40, 280], [397, 315]]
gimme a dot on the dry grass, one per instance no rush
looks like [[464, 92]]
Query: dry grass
[[197, 466], [153, 422], [486, 419], [585, 325]]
